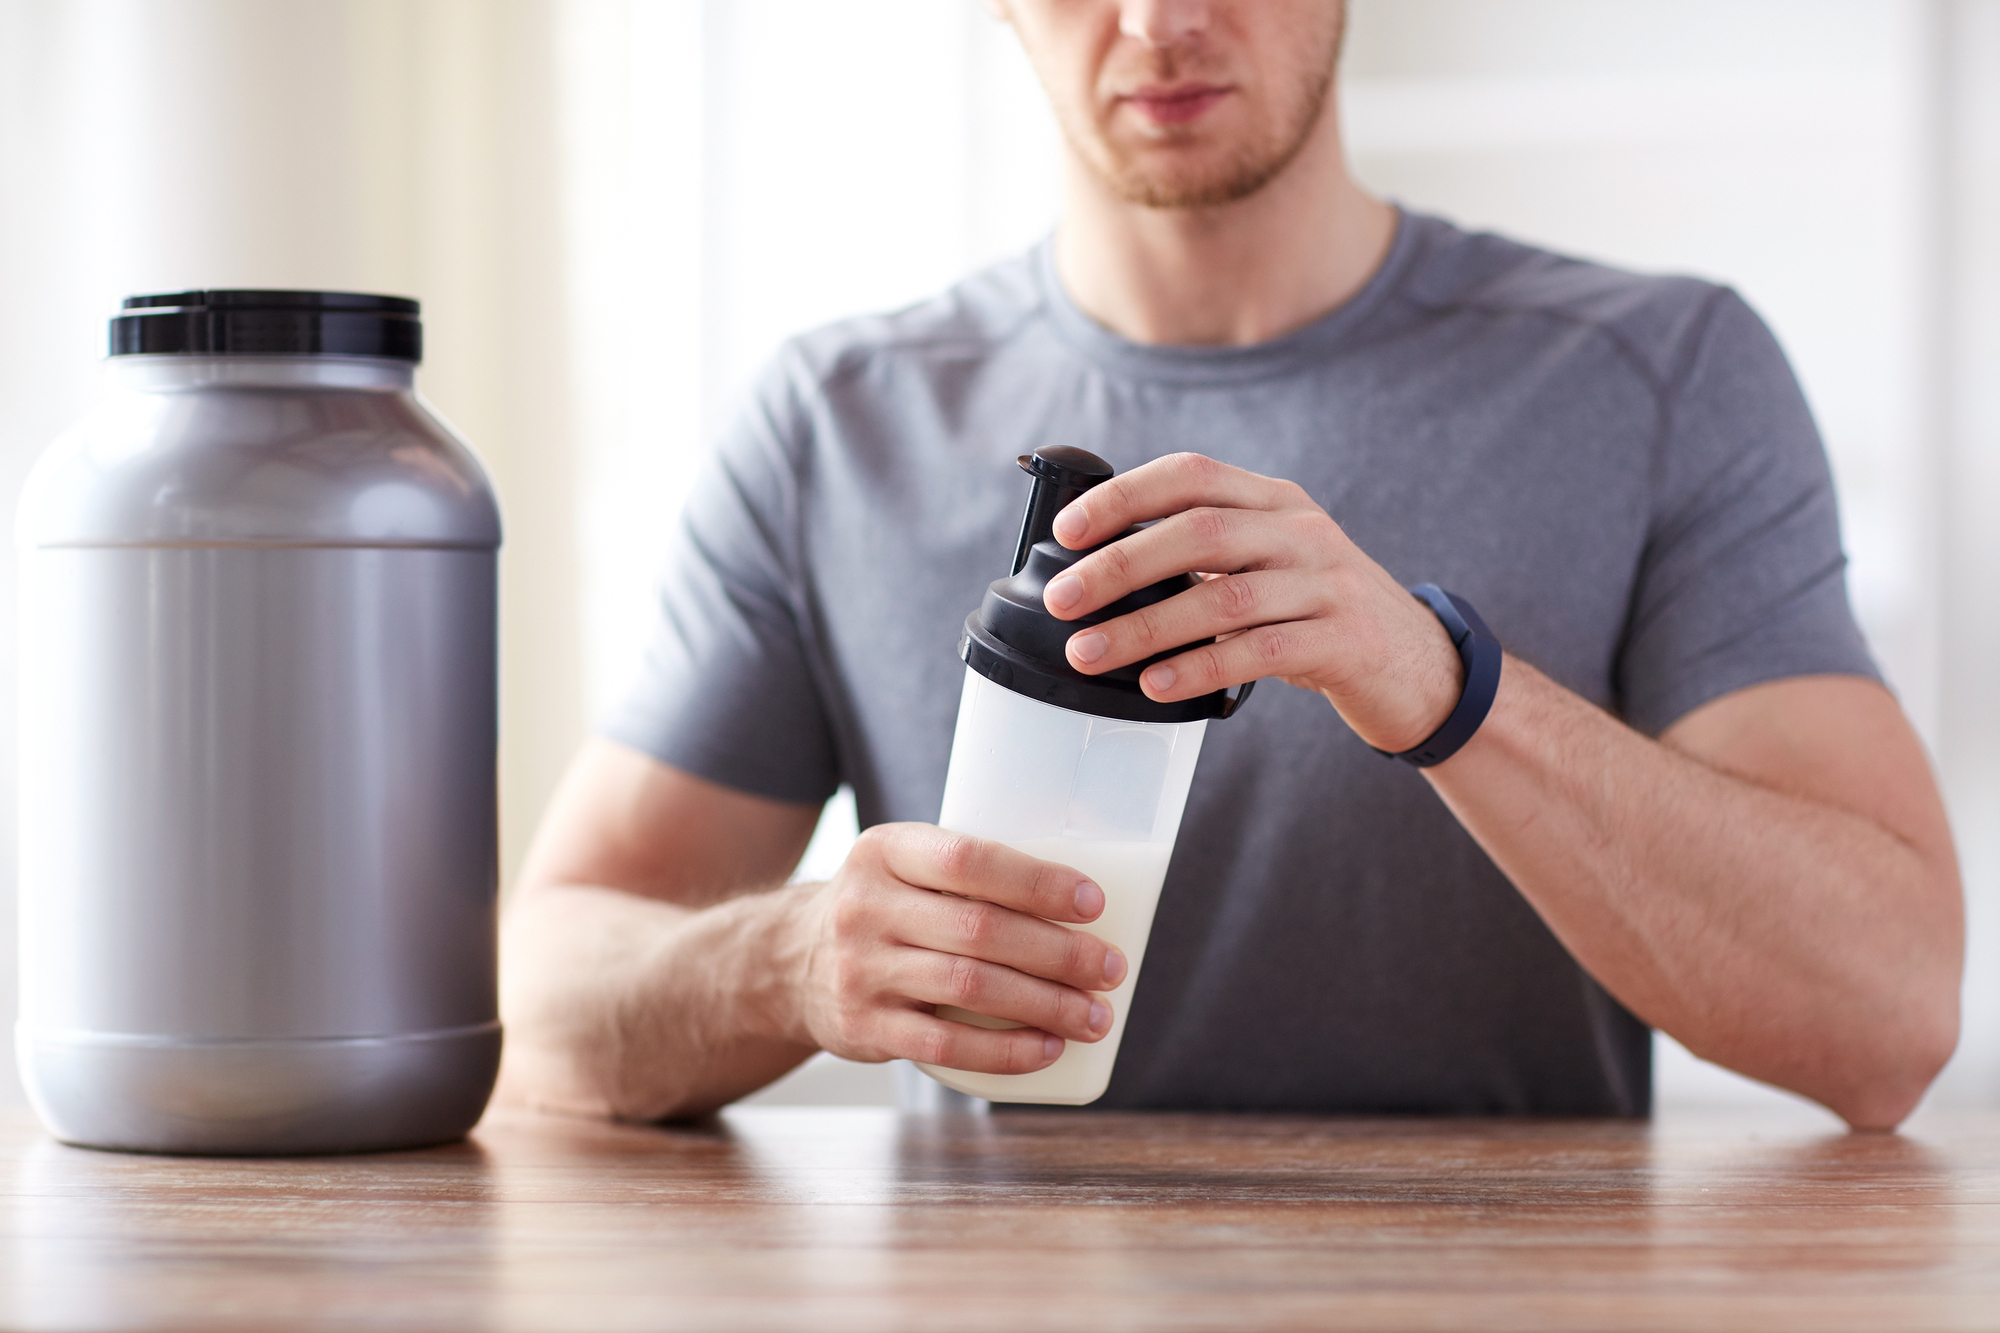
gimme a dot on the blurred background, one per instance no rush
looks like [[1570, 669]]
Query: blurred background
[[613, 210]]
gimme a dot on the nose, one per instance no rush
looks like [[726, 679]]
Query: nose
[[1160, 23]]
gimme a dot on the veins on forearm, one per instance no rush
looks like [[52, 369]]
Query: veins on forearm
[[635, 1008]]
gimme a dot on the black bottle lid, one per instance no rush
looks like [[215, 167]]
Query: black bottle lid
[[1013, 641], [268, 323]]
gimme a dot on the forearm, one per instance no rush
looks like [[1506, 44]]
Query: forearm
[[625, 1006], [1793, 941]]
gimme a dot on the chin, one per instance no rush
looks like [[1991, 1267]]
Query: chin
[[1192, 169], [1190, 185]]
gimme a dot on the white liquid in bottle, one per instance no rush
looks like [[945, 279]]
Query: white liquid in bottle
[[1130, 873]]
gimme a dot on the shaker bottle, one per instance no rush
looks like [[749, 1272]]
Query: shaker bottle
[[1082, 770], [258, 871]]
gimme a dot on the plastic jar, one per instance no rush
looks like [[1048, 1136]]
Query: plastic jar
[[258, 680]]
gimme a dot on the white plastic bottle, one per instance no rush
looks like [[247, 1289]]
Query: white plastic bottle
[[1082, 770]]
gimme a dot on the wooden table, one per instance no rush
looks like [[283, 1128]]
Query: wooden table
[[814, 1219]]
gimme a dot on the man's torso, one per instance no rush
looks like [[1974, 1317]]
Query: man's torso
[[1481, 417]]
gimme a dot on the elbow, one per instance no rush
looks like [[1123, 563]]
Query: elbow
[[566, 1050], [1918, 1050], [555, 1065], [1916, 1034], [550, 1062]]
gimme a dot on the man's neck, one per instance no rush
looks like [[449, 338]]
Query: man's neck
[[1232, 275]]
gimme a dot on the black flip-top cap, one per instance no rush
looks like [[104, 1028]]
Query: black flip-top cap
[[1013, 641], [248, 322]]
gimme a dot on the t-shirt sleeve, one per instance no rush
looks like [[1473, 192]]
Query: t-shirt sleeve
[[726, 689], [1743, 579]]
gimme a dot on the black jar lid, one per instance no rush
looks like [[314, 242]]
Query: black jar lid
[[268, 323]]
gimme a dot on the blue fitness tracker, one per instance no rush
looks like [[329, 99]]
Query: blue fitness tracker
[[1480, 653]]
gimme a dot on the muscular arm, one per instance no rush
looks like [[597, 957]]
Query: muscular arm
[[1772, 882]]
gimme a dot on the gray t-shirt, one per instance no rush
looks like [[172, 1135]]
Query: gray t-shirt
[[1619, 472]]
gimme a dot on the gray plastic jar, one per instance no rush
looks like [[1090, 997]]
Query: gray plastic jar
[[258, 734]]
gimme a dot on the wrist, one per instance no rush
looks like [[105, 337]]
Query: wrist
[[1480, 657], [1416, 689], [764, 989], [1438, 685]]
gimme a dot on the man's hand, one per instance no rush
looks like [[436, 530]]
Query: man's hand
[[919, 917], [1285, 591]]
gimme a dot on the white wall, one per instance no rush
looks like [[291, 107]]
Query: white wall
[[613, 209], [774, 164], [1965, 290]]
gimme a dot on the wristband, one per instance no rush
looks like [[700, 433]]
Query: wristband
[[1479, 653]]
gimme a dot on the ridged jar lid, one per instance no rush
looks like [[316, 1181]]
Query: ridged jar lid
[[251, 322]]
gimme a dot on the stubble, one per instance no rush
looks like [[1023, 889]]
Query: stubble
[[1141, 173]]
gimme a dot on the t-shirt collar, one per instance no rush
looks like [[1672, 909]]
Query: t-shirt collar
[[1225, 365]]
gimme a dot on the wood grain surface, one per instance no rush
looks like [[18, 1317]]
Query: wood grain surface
[[800, 1218]]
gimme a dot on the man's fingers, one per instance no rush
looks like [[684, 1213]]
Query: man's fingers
[[1218, 606], [911, 1035], [1289, 649], [999, 992], [973, 929], [1204, 538], [1162, 487], [934, 858]]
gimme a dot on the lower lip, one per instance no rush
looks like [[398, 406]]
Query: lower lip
[[1176, 110]]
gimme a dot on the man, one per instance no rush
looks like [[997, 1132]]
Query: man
[[1692, 804]]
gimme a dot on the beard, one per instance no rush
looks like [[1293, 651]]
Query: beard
[[1168, 170]]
